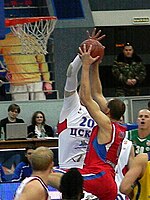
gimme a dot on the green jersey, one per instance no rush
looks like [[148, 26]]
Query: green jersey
[[141, 145]]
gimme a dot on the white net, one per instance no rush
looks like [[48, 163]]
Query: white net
[[34, 35]]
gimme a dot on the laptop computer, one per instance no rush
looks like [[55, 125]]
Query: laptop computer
[[16, 131]]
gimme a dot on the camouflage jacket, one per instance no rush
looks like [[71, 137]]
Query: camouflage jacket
[[123, 71]]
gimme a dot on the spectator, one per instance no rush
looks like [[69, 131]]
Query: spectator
[[129, 72], [136, 182], [141, 136], [148, 105], [35, 187], [71, 185], [24, 169], [29, 72], [13, 112], [11, 159], [2, 174], [39, 128]]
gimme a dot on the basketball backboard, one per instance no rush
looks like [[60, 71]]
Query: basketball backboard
[[2, 23]]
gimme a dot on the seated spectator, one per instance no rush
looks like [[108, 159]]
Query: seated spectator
[[71, 185], [24, 169], [2, 174], [13, 112], [129, 72], [39, 128]]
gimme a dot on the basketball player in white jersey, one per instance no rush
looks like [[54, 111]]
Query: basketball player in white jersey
[[75, 124], [35, 187], [124, 163]]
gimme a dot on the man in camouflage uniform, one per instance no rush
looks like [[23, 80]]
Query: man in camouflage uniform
[[129, 72]]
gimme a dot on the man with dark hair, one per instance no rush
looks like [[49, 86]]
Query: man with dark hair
[[71, 185], [116, 108], [24, 169], [128, 71]]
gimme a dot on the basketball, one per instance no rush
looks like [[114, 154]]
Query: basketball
[[97, 47]]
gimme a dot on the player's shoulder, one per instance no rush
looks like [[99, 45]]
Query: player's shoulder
[[34, 187]]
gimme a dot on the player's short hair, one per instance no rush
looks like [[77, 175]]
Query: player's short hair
[[71, 185], [41, 158], [117, 108]]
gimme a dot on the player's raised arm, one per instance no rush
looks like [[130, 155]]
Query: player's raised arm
[[72, 79], [102, 120], [96, 87]]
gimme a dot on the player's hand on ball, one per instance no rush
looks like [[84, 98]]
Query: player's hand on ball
[[85, 54], [97, 48]]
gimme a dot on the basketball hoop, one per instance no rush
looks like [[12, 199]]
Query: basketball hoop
[[33, 32]]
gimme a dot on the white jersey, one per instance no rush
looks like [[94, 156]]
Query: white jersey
[[25, 182], [74, 129], [121, 167]]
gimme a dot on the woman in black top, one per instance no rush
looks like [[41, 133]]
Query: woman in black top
[[39, 129]]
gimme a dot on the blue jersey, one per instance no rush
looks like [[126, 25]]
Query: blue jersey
[[22, 171], [130, 126]]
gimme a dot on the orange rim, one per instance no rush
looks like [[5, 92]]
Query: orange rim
[[15, 21]]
